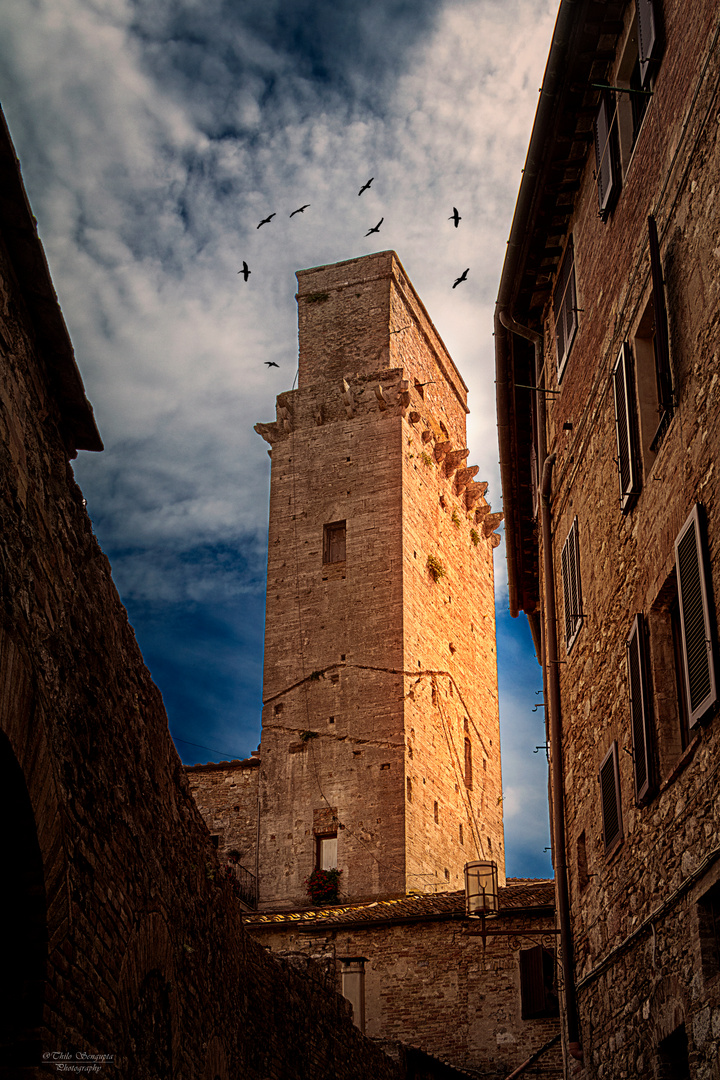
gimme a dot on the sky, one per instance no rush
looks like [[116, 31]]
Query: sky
[[154, 135]]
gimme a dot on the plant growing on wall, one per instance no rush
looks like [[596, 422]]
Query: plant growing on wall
[[475, 537], [322, 886], [436, 568], [455, 519]]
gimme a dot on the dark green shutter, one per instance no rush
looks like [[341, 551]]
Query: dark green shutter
[[648, 38], [606, 169]]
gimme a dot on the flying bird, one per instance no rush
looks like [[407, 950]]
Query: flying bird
[[246, 271], [366, 186], [271, 363], [377, 228], [455, 217], [300, 209], [266, 219], [463, 277]]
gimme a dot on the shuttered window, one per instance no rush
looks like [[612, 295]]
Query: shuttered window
[[610, 800], [572, 592], [648, 38], [623, 386], [537, 983], [695, 622], [607, 170], [661, 340], [565, 308], [639, 708]]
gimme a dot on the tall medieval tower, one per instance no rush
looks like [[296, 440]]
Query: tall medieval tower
[[380, 734]]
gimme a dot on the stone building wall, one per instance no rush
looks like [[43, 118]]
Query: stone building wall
[[647, 988], [361, 655], [227, 797], [429, 980], [120, 937]]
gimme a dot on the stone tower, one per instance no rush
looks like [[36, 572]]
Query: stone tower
[[380, 734]]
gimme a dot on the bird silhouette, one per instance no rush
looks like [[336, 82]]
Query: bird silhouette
[[463, 277], [271, 363], [455, 217], [300, 209], [377, 227], [265, 220], [246, 271], [366, 186]]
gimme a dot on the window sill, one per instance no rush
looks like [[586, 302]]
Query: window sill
[[687, 755]]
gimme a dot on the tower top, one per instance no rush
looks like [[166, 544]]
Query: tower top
[[352, 318]]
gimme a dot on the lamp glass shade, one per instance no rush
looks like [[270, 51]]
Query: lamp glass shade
[[481, 888]]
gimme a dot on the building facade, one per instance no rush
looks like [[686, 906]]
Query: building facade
[[607, 338]]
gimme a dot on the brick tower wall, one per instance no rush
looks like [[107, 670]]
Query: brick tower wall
[[343, 640]]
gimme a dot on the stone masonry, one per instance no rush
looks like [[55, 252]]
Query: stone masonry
[[380, 717]]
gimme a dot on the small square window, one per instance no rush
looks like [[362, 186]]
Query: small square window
[[334, 542]]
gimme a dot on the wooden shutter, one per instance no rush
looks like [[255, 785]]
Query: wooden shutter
[[606, 170], [662, 337], [639, 709], [334, 542], [623, 386], [610, 800], [648, 38], [697, 649], [565, 307], [572, 594], [532, 984]]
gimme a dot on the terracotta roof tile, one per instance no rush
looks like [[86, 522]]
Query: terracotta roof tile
[[519, 894]]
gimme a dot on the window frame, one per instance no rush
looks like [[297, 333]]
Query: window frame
[[538, 998], [695, 617], [565, 308], [640, 710], [572, 585], [332, 530], [625, 428], [607, 153], [609, 780]]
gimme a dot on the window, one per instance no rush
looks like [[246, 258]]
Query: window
[[708, 911], [649, 39], [610, 800], [436, 813], [582, 863], [538, 996], [565, 308], [334, 542], [607, 154], [326, 852], [639, 709], [697, 652], [462, 839], [655, 399], [670, 715], [572, 593], [468, 764], [623, 386]]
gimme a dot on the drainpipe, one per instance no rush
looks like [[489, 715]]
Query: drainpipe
[[556, 777]]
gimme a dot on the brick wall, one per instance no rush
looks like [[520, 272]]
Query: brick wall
[[388, 671]]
